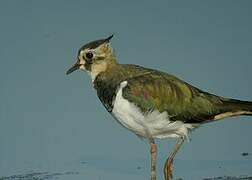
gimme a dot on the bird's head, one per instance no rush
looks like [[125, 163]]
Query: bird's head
[[95, 57]]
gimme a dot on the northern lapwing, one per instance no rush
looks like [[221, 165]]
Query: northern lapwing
[[151, 103]]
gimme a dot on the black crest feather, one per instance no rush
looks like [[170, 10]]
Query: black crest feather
[[96, 43]]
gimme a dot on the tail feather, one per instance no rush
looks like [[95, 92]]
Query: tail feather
[[238, 105], [234, 107]]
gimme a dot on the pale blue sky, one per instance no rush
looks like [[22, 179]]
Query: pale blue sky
[[53, 122]]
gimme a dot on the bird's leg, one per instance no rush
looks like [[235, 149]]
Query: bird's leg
[[168, 167], [153, 151]]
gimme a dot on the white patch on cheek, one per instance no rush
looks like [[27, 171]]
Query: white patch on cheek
[[82, 63], [82, 52], [82, 67]]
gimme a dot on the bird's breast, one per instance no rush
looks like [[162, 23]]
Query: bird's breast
[[153, 124]]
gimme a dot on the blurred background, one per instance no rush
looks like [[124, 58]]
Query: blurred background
[[53, 124]]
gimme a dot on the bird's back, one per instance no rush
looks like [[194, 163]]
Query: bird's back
[[153, 90]]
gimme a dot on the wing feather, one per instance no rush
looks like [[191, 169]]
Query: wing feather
[[183, 102]]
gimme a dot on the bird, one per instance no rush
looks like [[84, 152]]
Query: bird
[[151, 103]]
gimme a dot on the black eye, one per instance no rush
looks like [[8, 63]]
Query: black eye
[[89, 55]]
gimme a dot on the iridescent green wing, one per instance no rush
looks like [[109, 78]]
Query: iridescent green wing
[[164, 92]]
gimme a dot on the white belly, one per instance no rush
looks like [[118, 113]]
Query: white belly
[[151, 125]]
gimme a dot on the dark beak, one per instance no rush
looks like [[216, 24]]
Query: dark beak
[[74, 68]]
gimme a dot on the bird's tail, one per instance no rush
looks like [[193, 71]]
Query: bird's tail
[[234, 107]]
